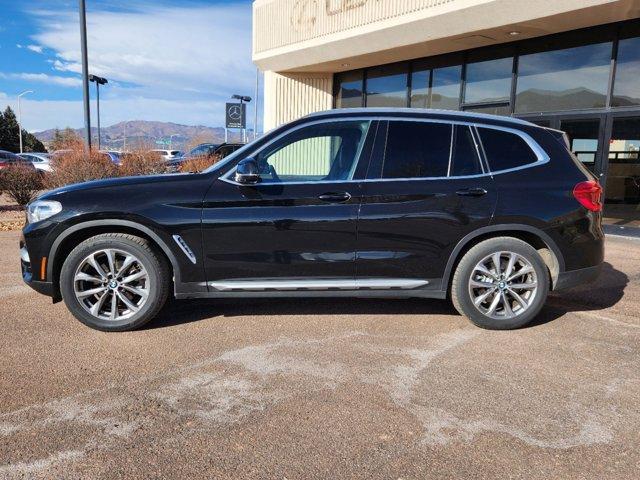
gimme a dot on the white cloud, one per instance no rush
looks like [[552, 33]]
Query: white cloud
[[163, 63], [35, 48], [43, 78]]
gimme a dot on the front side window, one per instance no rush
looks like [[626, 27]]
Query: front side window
[[321, 152], [505, 150], [417, 150]]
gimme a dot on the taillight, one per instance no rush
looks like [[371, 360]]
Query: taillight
[[589, 194]]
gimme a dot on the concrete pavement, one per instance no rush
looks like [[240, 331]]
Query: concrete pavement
[[324, 388]]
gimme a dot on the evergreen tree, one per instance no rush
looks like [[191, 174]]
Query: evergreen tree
[[9, 139]]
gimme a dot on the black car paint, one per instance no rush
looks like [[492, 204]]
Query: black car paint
[[411, 229]]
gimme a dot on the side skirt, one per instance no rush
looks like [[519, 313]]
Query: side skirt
[[322, 288]]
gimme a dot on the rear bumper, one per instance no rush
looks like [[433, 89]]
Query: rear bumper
[[573, 278]]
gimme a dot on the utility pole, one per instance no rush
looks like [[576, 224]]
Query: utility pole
[[85, 74], [20, 116], [98, 81]]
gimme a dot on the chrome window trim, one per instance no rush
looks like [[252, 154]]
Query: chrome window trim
[[542, 156]]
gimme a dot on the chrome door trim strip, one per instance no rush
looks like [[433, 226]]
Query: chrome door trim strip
[[322, 284]]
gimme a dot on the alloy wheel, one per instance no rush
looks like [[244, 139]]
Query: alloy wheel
[[111, 284], [503, 285]]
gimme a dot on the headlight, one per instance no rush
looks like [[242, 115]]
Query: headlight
[[42, 209]]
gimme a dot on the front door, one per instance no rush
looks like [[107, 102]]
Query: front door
[[296, 228], [426, 189]]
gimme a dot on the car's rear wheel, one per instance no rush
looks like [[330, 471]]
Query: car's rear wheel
[[500, 284], [114, 282]]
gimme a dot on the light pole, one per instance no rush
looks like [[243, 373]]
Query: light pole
[[255, 105], [85, 74], [242, 98], [98, 81], [20, 115]]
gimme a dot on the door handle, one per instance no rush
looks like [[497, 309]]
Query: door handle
[[335, 197], [471, 192]]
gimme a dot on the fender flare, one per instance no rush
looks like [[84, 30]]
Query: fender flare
[[113, 223], [504, 227]]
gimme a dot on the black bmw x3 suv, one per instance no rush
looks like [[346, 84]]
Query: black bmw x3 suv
[[491, 212]]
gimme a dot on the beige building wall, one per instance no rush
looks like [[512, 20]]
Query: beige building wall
[[301, 43], [291, 96]]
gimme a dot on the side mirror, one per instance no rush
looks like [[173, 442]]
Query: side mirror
[[247, 172]]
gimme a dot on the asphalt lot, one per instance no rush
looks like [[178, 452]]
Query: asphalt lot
[[324, 388]]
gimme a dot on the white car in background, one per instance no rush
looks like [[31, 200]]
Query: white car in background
[[42, 161], [168, 154]]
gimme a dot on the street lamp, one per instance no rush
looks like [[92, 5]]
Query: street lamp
[[98, 81], [85, 73], [242, 98], [20, 115]]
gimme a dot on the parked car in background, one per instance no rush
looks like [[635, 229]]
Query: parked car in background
[[491, 212], [8, 159], [113, 156], [42, 161], [168, 154], [219, 151]]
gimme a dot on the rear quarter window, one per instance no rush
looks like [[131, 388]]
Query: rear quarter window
[[505, 150]]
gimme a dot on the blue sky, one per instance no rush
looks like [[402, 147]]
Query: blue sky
[[166, 60]]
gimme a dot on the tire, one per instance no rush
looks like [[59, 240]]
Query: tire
[[143, 282], [510, 312]]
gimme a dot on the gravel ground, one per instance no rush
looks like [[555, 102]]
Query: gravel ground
[[324, 388]]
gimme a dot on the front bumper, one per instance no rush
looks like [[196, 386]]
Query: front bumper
[[573, 278]]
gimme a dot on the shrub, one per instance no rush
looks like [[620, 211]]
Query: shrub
[[20, 183], [141, 162], [75, 166], [198, 164]]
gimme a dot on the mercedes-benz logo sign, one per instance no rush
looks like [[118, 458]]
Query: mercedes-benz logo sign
[[235, 112]]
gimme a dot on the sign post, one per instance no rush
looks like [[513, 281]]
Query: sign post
[[236, 116]]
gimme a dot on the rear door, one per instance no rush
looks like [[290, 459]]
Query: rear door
[[426, 189]]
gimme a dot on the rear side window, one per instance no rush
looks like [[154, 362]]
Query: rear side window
[[464, 155], [417, 150], [505, 150]]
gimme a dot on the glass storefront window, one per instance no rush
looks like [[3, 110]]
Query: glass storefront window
[[387, 86], [568, 79], [622, 191], [626, 90], [349, 89], [489, 81], [444, 92], [583, 139], [491, 109], [420, 88], [445, 88]]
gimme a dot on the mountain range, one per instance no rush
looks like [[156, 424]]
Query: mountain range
[[143, 133]]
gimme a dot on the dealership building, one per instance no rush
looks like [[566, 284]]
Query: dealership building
[[567, 64]]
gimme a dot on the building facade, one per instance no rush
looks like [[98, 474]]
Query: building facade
[[567, 64]]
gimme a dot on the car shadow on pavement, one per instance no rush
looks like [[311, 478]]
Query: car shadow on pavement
[[603, 293]]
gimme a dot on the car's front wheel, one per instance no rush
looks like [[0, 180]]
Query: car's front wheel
[[500, 284], [114, 282]]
